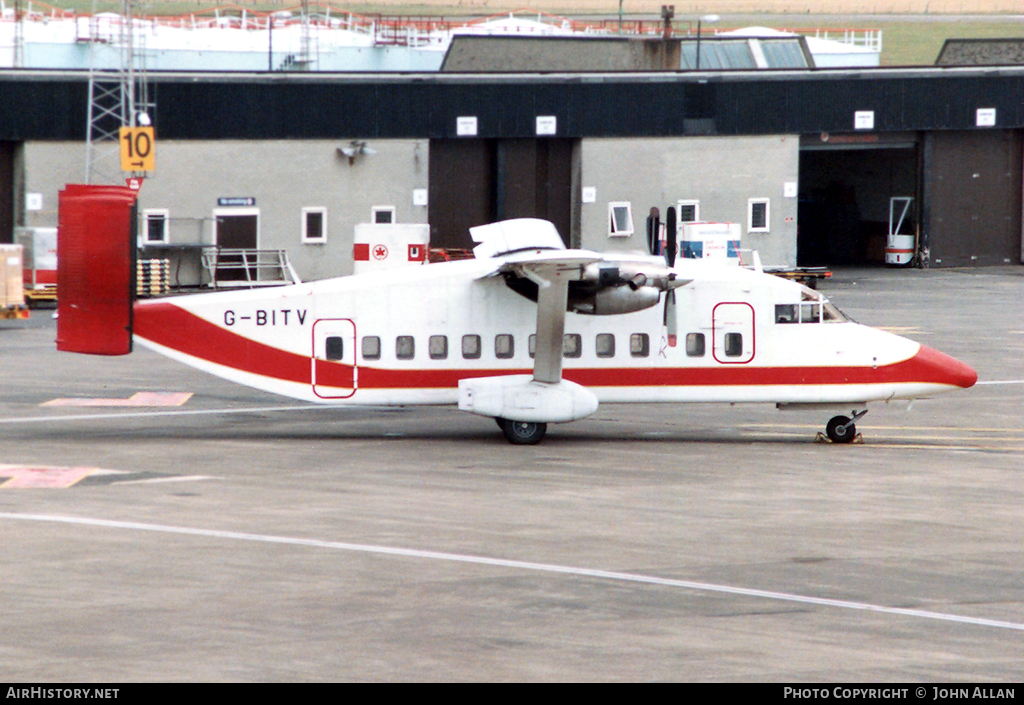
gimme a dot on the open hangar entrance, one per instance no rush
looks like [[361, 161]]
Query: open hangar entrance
[[854, 191], [478, 181]]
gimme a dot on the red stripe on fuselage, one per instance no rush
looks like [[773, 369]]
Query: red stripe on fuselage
[[173, 327]]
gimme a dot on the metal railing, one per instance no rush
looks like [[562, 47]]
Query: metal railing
[[229, 267]]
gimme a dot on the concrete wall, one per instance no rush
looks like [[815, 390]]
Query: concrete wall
[[282, 176], [721, 172], [286, 176]]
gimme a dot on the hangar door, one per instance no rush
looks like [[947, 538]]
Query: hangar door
[[477, 181], [847, 187], [972, 189]]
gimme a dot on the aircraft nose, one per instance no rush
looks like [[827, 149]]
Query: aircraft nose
[[944, 369]]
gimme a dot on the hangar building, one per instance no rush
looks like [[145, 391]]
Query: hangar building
[[811, 163]]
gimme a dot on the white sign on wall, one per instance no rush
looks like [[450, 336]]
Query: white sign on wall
[[465, 126], [589, 194], [547, 125], [33, 201], [419, 197], [864, 120], [985, 117], [789, 189]]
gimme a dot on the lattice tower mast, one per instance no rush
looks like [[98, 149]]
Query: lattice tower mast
[[118, 95], [19, 35]]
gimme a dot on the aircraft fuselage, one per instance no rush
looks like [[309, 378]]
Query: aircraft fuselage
[[408, 335]]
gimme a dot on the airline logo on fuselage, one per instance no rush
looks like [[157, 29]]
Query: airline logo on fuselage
[[266, 317]]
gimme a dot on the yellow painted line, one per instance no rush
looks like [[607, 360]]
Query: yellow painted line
[[883, 444], [911, 443], [940, 429], [903, 330]]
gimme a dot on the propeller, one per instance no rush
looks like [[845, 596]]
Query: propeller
[[669, 318]]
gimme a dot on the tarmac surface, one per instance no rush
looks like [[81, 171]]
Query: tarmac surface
[[242, 537]]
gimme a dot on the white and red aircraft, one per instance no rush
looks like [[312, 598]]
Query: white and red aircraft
[[531, 333]]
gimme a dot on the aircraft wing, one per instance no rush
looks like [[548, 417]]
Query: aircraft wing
[[604, 285], [551, 271]]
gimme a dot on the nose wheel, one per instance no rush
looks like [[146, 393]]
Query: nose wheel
[[842, 429], [522, 433]]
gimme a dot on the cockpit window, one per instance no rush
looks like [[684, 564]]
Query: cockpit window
[[831, 314], [810, 313], [814, 308]]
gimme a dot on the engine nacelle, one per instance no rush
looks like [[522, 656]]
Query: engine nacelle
[[615, 300], [650, 272]]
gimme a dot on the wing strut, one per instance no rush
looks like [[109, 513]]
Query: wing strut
[[552, 296]]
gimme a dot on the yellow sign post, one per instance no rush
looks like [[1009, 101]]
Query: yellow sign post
[[138, 147]]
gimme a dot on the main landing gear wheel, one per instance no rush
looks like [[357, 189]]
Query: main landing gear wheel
[[522, 433]]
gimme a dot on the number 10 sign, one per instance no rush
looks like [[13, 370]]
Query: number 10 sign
[[137, 149]]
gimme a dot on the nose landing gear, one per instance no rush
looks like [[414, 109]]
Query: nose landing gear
[[842, 429]]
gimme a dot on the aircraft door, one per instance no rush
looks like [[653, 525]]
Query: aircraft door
[[733, 333], [334, 372]]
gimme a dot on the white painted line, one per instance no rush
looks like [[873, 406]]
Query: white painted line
[[519, 565], [157, 480], [1002, 381]]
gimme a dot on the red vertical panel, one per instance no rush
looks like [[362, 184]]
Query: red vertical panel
[[95, 261]]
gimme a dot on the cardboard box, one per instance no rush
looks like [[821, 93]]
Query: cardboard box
[[12, 292]]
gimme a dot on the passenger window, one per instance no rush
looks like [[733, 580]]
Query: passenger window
[[335, 348], [437, 346], [471, 347], [572, 345], [733, 344], [810, 313], [605, 345], [786, 313], [695, 344], [531, 344], [504, 346], [639, 345], [405, 347], [371, 347]]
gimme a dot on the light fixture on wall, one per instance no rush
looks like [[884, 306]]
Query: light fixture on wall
[[354, 149]]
